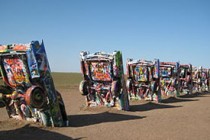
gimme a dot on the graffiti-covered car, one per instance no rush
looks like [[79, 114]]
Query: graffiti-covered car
[[103, 83], [203, 79], [196, 79], [143, 79], [185, 79], [169, 78], [27, 89]]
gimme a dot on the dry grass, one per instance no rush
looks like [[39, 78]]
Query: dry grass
[[66, 80]]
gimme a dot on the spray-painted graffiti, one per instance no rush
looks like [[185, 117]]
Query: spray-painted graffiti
[[141, 73], [169, 78], [32, 64], [15, 70], [103, 82], [185, 79], [200, 77], [143, 79], [25, 69], [100, 71]]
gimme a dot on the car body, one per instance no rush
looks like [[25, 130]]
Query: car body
[[143, 79], [185, 79], [103, 83], [196, 79], [200, 79], [169, 78], [27, 89]]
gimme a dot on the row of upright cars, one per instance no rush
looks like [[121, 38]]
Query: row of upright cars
[[105, 83], [27, 89]]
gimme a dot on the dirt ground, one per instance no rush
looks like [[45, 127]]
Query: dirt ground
[[184, 118]]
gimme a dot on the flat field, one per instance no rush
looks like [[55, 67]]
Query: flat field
[[183, 118]]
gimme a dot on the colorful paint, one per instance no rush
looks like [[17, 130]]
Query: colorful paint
[[200, 79], [169, 78], [100, 71], [47, 81], [141, 73], [21, 66], [103, 83], [15, 71], [143, 79], [32, 64]]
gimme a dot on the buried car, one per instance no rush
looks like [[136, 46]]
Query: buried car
[[185, 79], [200, 79], [196, 79], [169, 78], [143, 79], [27, 89], [205, 79], [103, 83]]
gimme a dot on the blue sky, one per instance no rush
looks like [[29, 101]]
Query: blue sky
[[171, 30]]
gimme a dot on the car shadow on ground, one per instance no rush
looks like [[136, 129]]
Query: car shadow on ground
[[195, 95], [176, 100], [29, 132], [91, 119], [150, 106]]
